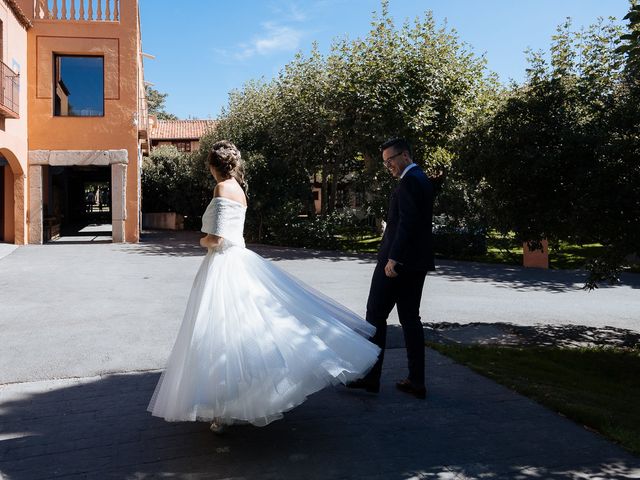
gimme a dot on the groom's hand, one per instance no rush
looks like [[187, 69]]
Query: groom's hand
[[390, 269]]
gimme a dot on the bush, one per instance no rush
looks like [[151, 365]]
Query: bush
[[287, 228], [451, 239], [176, 182]]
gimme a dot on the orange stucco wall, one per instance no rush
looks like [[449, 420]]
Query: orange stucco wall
[[13, 136], [119, 42]]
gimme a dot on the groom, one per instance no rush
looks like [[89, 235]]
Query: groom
[[404, 258]]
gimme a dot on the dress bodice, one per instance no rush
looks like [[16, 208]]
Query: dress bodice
[[225, 218]]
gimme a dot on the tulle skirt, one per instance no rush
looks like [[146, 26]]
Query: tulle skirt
[[255, 342]]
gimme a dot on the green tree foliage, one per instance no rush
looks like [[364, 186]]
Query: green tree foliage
[[155, 104], [557, 159], [173, 181], [326, 115]]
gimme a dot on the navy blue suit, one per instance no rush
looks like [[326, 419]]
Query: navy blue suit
[[407, 240]]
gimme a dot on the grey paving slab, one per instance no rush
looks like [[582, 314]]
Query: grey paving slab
[[107, 315], [88, 309], [7, 249], [468, 428]]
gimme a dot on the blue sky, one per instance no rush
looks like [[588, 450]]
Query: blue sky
[[205, 48]]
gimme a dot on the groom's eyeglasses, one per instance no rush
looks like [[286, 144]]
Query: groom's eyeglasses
[[388, 160]]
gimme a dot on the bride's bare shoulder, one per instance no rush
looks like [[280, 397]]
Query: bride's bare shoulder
[[230, 190]]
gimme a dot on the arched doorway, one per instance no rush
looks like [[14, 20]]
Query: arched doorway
[[3, 164], [12, 199]]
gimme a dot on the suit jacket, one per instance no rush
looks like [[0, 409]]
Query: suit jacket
[[408, 238]]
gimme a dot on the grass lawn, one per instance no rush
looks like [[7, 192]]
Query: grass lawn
[[500, 249], [362, 244], [596, 387]]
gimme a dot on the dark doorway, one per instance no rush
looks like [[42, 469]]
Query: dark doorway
[[77, 204], [2, 167]]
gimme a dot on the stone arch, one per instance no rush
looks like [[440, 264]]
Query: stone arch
[[14, 163]]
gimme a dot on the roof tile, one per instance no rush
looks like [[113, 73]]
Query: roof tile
[[181, 129]]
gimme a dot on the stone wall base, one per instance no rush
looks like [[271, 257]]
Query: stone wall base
[[163, 221]]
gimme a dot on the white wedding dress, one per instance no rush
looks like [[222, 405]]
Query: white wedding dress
[[255, 341]]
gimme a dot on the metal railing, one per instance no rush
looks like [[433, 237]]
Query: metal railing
[[10, 92], [77, 10]]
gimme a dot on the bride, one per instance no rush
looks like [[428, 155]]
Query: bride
[[254, 341]]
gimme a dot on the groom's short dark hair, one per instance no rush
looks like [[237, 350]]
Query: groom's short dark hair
[[399, 144]]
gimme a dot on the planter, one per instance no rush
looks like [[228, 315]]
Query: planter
[[163, 221], [535, 258]]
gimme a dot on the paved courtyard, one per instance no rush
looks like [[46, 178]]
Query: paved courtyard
[[85, 329]]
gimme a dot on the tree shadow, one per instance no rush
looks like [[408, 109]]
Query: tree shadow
[[99, 428], [524, 279], [540, 335], [186, 243]]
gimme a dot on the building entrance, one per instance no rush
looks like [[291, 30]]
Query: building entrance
[[77, 203], [2, 167]]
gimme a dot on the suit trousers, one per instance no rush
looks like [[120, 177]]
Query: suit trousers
[[404, 292]]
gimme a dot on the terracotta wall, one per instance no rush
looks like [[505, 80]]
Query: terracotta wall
[[13, 135], [118, 42]]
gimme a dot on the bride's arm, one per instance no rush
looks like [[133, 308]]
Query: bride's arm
[[210, 241]]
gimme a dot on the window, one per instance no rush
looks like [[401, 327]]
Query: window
[[183, 146], [79, 86]]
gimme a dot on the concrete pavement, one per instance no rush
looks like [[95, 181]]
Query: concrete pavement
[[85, 328], [91, 309], [468, 428]]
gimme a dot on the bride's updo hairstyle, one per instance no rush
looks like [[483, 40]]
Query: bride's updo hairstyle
[[226, 159]]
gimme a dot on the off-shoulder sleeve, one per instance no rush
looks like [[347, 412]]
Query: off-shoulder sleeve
[[225, 218], [208, 219]]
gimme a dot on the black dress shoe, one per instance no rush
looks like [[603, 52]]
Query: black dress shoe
[[363, 385], [407, 387]]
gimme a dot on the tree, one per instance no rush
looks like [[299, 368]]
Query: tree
[[550, 163], [327, 114], [155, 104], [173, 181]]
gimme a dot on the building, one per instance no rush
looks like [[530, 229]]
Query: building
[[82, 108], [183, 134], [14, 25]]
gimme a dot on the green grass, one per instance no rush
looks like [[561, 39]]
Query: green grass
[[361, 244], [596, 387], [500, 249]]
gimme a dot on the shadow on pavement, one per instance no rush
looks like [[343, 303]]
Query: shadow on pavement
[[186, 243], [520, 278], [540, 335], [467, 427]]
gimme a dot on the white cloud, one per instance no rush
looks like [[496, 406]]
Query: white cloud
[[275, 38], [289, 11]]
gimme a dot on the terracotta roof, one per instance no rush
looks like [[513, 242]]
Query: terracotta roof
[[181, 129], [17, 11]]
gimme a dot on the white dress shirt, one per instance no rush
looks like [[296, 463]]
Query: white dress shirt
[[408, 167]]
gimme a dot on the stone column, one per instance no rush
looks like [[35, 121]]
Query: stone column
[[118, 200], [19, 208], [35, 204]]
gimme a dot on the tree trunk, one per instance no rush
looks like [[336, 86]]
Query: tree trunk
[[325, 191], [334, 187]]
